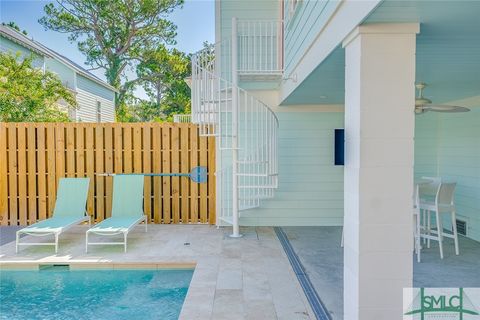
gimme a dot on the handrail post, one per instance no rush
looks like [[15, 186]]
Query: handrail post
[[235, 114]]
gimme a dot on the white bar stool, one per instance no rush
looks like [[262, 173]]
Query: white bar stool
[[444, 203], [428, 188]]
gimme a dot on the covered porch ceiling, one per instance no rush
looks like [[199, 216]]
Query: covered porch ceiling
[[448, 53]]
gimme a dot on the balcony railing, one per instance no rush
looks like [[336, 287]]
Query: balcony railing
[[259, 44], [182, 118]]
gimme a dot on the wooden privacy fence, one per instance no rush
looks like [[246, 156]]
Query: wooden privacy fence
[[33, 156]]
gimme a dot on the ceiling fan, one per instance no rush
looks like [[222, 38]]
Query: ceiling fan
[[423, 104]]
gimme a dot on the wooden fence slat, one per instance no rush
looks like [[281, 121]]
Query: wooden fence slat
[[89, 166], [184, 168], [203, 186], [3, 176], [70, 145], [34, 156], [60, 151], [32, 173], [147, 168], [99, 180], [51, 168], [175, 149], [41, 172], [137, 165], [211, 181], [194, 186], [80, 151], [160, 212], [22, 174], [166, 191], [127, 149], [108, 166], [12, 173]]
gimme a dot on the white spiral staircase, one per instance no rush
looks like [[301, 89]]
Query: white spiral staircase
[[245, 128]]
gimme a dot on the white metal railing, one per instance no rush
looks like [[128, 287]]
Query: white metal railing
[[182, 118], [245, 128], [260, 46]]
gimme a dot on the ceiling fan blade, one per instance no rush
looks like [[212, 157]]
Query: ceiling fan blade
[[444, 108], [420, 110]]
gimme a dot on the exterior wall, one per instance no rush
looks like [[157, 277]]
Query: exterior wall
[[453, 139], [88, 93], [66, 74], [86, 84], [246, 10], [6, 45], [303, 26], [310, 187], [251, 10], [426, 148], [87, 107]]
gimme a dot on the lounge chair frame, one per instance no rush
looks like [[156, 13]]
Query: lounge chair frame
[[123, 231], [55, 232]]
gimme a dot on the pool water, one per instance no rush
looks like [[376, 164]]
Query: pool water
[[93, 294]]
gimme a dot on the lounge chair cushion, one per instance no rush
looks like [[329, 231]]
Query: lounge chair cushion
[[128, 196], [52, 225], [116, 224]]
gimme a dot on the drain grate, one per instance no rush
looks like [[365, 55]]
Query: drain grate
[[321, 313]]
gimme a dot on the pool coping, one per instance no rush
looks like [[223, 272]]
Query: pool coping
[[95, 265]]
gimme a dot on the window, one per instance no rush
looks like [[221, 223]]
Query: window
[[99, 111]]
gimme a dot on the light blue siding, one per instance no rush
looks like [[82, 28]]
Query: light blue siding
[[310, 187], [94, 88], [6, 45], [249, 10], [448, 145], [66, 74], [300, 31]]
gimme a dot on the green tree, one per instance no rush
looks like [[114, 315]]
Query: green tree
[[159, 68], [30, 94], [114, 34], [162, 73]]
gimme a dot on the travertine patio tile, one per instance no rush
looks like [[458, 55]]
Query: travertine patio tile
[[247, 278]]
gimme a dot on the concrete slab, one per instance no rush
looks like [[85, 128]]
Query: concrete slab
[[320, 253]]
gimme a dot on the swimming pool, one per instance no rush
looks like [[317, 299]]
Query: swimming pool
[[59, 293]]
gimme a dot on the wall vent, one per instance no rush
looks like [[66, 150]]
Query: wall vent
[[462, 227]]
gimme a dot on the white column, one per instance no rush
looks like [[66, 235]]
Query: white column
[[379, 131]]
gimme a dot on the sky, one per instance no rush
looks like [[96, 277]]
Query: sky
[[195, 24]]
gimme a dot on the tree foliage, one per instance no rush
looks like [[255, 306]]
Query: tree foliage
[[161, 74], [15, 26], [30, 94], [114, 34]]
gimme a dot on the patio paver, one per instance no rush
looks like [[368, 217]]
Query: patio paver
[[247, 278]]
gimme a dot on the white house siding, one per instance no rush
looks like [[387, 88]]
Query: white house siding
[[87, 107], [88, 93], [310, 187]]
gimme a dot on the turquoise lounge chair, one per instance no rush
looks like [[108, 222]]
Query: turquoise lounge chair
[[69, 211], [127, 210]]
